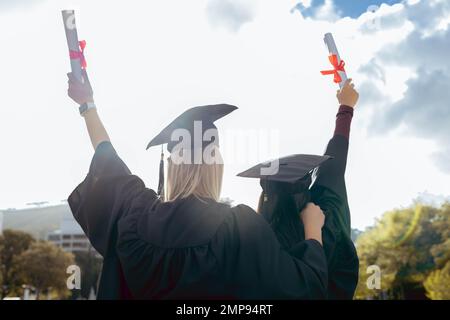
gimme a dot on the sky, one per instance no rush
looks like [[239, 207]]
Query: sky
[[149, 61], [342, 8]]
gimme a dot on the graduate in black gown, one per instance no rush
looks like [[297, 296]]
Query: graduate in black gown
[[288, 191], [188, 246]]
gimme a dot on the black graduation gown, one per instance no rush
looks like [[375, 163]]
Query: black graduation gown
[[330, 193], [188, 248]]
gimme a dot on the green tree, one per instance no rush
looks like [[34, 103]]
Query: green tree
[[12, 244], [441, 223], [408, 245], [44, 266], [437, 284]]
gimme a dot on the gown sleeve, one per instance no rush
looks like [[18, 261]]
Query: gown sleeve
[[105, 195], [329, 192], [329, 186], [266, 271]]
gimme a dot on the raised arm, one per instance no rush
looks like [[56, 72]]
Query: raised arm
[[331, 174], [329, 192], [347, 97], [81, 93]]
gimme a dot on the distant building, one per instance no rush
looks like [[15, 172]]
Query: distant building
[[355, 233], [70, 237], [37, 219], [52, 222]]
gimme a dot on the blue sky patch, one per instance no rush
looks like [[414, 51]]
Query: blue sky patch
[[347, 8]]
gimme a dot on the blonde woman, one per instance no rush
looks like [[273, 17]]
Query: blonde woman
[[189, 246]]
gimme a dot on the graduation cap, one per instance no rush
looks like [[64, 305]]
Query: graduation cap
[[206, 115], [191, 124], [291, 175]]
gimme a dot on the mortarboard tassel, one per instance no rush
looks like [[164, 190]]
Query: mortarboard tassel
[[265, 191], [161, 176]]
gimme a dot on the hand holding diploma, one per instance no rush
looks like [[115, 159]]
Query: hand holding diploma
[[339, 73], [80, 92], [348, 96]]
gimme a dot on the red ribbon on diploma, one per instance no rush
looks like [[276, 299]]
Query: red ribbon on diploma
[[79, 55], [337, 67]]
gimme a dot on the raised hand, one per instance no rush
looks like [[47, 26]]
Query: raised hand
[[313, 221], [80, 92], [348, 95]]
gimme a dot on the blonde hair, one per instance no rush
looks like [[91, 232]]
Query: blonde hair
[[201, 180]]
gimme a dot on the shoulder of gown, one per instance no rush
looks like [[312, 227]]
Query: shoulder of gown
[[108, 193], [165, 249], [231, 253], [251, 255]]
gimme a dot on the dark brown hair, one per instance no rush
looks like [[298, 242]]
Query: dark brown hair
[[280, 204]]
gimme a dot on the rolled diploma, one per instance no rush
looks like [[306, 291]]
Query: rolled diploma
[[72, 41], [332, 49]]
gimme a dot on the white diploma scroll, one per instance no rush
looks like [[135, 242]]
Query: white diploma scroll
[[332, 49], [72, 41]]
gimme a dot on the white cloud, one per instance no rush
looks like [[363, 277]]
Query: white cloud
[[422, 103], [7, 5], [230, 14], [327, 12]]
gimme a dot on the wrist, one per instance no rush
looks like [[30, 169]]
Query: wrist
[[345, 108], [313, 234], [87, 100], [86, 107], [348, 104], [90, 112]]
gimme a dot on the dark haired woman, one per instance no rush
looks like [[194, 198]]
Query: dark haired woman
[[288, 192]]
